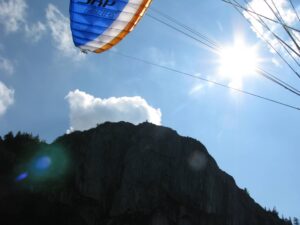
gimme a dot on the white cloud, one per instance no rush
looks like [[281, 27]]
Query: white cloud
[[6, 98], [267, 8], [6, 65], [61, 34], [263, 8], [13, 17], [35, 31], [86, 111], [12, 14]]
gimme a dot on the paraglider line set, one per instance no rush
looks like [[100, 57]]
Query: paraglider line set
[[97, 31]]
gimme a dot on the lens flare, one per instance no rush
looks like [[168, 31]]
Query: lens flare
[[197, 160], [43, 163], [22, 176]]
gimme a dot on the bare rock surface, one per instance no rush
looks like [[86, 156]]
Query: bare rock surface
[[122, 174]]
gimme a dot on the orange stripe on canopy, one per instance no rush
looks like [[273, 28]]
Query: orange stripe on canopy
[[130, 26]]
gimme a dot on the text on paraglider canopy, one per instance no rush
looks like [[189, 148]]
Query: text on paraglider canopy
[[101, 12], [101, 3]]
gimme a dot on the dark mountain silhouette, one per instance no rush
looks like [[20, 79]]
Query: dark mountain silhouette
[[120, 174]]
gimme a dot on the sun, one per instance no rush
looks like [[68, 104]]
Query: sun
[[238, 61]]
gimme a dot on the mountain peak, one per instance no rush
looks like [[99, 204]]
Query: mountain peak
[[119, 173]]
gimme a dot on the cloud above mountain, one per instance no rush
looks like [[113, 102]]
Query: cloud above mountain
[[86, 111]]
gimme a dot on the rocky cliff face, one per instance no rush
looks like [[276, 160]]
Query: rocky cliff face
[[121, 174]]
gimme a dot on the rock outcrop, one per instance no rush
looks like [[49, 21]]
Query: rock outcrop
[[121, 174]]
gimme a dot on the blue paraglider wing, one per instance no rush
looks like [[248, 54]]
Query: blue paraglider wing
[[98, 25]]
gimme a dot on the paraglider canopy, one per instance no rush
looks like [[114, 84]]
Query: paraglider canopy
[[98, 25]]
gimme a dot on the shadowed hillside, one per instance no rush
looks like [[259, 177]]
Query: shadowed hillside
[[119, 174]]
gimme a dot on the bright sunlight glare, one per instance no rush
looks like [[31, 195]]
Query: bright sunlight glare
[[237, 62]]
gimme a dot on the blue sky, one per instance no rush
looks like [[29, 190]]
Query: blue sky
[[47, 87]]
